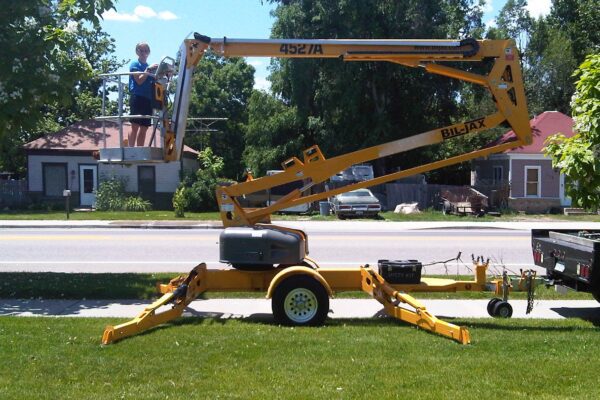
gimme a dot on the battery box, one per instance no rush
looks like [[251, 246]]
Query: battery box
[[400, 271]]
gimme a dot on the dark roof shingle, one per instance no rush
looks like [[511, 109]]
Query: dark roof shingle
[[86, 136]]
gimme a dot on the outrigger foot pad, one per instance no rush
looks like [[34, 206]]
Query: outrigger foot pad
[[381, 291], [181, 291]]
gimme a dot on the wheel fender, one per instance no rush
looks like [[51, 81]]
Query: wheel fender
[[287, 272]]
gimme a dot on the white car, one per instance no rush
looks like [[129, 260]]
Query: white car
[[357, 203]]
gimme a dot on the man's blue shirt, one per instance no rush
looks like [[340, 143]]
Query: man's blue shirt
[[145, 89]]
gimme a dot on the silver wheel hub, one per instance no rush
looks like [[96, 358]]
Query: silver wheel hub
[[300, 305]]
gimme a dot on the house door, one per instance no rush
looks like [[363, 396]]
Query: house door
[[88, 182], [565, 200]]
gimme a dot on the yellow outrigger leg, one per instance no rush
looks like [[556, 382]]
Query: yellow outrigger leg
[[181, 291], [381, 291]]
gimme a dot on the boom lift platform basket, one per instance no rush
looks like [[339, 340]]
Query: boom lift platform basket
[[275, 258], [156, 150]]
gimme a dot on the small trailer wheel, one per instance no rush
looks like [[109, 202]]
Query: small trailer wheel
[[503, 309], [300, 300], [490, 307]]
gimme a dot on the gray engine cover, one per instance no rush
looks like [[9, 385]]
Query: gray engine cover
[[246, 247]]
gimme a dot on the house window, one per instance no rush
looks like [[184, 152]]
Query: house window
[[532, 182], [146, 180], [498, 174], [55, 179]]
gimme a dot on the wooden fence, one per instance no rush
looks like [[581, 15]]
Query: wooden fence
[[392, 194], [13, 193]]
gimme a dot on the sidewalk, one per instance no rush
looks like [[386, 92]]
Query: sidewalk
[[261, 308]]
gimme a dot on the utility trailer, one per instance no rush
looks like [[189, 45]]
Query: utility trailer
[[300, 290], [570, 257], [463, 201], [274, 258]]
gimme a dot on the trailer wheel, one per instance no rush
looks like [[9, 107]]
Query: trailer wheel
[[503, 309], [301, 301], [490, 307]]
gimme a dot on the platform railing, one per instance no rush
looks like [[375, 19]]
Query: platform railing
[[126, 152]]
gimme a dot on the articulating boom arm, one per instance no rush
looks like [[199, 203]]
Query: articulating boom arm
[[504, 81]]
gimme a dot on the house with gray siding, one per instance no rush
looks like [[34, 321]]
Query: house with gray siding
[[68, 159], [523, 178]]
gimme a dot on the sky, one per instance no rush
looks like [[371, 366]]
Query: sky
[[165, 24]]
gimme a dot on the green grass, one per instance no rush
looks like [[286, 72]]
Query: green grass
[[426, 215], [107, 286], [61, 358], [107, 215]]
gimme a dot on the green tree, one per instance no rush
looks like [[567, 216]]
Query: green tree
[[96, 48], [548, 74], [515, 22], [222, 89], [579, 19], [347, 106], [41, 60], [272, 135], [197, 192], [578, 157]]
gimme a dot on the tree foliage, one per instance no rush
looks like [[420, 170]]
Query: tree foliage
[[222, 88], [578, 157], [41, 56], [346, 106], [273, 133], [579, 20], [50, 51], [197, 192]]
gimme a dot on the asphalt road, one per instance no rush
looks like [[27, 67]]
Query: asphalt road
[[179, 250]]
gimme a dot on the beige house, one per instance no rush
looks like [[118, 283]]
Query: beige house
[[67, 159]]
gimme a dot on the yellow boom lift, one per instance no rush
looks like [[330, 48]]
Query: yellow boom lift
[[274, 259]]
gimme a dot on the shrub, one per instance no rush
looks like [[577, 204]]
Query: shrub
[[110, 195], [181, 201], [136, 203], [197, 192]]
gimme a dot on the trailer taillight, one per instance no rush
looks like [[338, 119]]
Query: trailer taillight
[[583, 270], [538, 257]]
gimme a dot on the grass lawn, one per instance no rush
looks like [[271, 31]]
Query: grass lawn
[[107, 215], [108, 286], [61, 358], [426, 215]]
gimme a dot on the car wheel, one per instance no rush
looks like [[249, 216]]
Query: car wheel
[[503, 309], [341, 216], [300, 300]]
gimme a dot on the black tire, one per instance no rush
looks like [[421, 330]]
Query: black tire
[[300, 300], [490, 307], [503, 309], [596, 294]]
